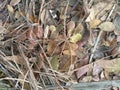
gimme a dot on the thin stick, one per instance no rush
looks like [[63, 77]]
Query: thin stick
[[99, 36]]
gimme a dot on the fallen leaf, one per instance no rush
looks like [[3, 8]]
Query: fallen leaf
[[107, 26], [118, 38], [14, 2], [83, 70], [52, 28], [94, 23], [67, 64], [2, 31], [79, 28], [75, 38], [52, 48], [17, 15], [38, 31], [108, 65], [87, 79], [72, 46], [91, 15], [116, 22], [15, 58], [70, 27], [10, 8], [69, 52], [55, 62]]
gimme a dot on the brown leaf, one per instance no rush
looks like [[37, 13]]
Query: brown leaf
[[30, 35], [70, 27], [69, 52], [52, 48], [94, 23], [15, 58], [38, 31], [72, 46], [67, 63], [107, 65], [83, 70]]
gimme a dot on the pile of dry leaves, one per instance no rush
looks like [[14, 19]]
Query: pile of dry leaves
[[56, 43]]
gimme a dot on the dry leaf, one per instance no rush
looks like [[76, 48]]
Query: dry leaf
[[2, 30], [107, 26], [91, 15], [17, 15], [72, 46], [70, 27], [55, 62], [66, 63], [15, 58], [52, 28], [52, 48], [10, 8], [79, 28], [117, 24], [107, 65], [38, 31], [94, 23], [69, 52], [14, 2], [75, 38]]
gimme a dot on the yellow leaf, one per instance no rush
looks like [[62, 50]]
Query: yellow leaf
[[94, 23], [75, 38], [10, 8], [52, 28]]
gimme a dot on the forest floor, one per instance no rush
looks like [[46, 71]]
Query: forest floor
[[59, 44]]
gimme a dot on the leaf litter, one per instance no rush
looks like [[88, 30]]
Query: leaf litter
[[49, 44]]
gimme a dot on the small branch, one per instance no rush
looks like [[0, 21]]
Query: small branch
[[99, 36]]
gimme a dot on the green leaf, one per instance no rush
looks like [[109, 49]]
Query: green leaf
[[55, 62], [75, 38]]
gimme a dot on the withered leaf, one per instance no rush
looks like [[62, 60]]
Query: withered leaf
[[94, 23], [69, 52], [107, 26], [10, 8]]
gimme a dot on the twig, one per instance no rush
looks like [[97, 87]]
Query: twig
[[99, 36]]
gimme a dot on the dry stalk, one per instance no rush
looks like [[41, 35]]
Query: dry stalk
[[99, 36]]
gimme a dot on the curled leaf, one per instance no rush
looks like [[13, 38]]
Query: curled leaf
[[75, 38], [107, 26]]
